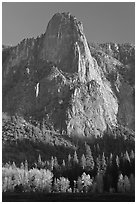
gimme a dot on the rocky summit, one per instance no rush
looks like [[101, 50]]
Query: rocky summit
[[75, 87]]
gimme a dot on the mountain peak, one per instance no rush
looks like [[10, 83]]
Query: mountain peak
[[61, 38], [56, 77], [62, 14]]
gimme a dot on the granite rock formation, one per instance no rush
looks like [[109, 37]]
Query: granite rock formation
[[68, 84]]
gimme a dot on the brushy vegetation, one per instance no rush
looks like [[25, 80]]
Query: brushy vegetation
[[23, 140]]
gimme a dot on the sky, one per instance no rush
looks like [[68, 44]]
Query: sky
[[102, 21]]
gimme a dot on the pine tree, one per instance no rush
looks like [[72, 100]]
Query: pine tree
[[63, 163], [48, 164], [132, 162], [127, 164], [26, 165], [98, 164], [110, 159], [83, 161], [16, 135], [120, 184], [56, 186], [89, 159], [32, 131], [22, 166], [98, 148], [56, 162], [132, 155], [103, 163], [43, 126], [114, 173], [117, 161], [94, 148], [75, 158], [52, 163], [99, 181], [127, 184], [88, 150], [69, 160], [127, 157], [132, 183], [13, 119], [39, 159], [14, 165]]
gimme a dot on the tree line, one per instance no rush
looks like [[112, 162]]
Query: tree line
[[85, 173]]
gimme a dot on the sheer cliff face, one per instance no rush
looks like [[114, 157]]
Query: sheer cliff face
[[118, 64], [75, 88]]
